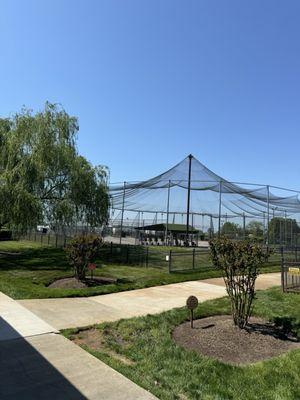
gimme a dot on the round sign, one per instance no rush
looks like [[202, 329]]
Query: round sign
[[91, 266], [192, 302]]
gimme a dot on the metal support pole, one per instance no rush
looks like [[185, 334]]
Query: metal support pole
[[268, 211], [192, 227], [220, 209], [244, 226], [274, 228], [122, 217], [168, 209], [137, 233], [188, 200], [170, 260], [280, 231], [143, 223], [193, 259], [264, 223], [285, 229]]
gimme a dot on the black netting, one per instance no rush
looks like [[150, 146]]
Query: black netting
[[207, 191]]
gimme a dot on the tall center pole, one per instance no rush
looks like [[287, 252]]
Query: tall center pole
[[268, 211], [122, 218], [168, 209], [188, 200], [220, 209]]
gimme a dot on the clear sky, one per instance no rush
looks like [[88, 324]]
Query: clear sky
[[154, 80]]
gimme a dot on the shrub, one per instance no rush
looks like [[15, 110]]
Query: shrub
[[239, 262], [81, 251]]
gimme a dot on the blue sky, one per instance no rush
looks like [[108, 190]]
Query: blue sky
[[154, 80]]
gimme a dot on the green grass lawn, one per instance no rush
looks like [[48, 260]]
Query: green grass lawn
[[27, 275], [142, 349]]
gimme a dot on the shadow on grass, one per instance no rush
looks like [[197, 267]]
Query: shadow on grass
[[35, 260]]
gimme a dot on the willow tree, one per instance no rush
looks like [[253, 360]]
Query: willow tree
[[42, 176]]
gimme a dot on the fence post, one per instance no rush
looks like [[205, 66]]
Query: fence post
[[48, 239], [65, 241], [147, 256], [282, 269], [56, 240], [194, 258], [35, 236], [127, 254], [41, 239], [170, 260], [282, 275], [111, 249]]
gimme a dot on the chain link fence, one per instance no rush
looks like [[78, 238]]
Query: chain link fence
[[166, 258]]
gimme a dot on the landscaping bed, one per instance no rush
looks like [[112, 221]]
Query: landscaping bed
[[143, 349], [219, 338], [73, 283]]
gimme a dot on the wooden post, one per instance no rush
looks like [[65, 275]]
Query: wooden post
[[192, 318]]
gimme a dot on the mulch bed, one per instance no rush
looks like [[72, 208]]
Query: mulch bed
[[73, 283], [217, 337]]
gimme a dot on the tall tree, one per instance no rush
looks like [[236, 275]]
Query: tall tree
[[283, 231], [42, 176], [230, 230], [255, 229]]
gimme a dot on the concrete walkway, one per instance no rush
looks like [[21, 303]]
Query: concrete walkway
[[38, 363], [75, 312]]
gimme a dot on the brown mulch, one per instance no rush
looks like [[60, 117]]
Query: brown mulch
[[217, 337], [73, 283]]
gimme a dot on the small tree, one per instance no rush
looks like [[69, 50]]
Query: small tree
[[81, 251], [239, 262]]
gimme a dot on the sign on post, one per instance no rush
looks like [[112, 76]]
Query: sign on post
[[192, 304], [92, 267]]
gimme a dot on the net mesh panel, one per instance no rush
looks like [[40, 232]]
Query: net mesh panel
[[150, 198]]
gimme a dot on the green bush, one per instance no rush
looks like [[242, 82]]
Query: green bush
[[81, 251], [239, 262]]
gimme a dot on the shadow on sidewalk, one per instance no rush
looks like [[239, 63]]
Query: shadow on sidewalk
[[25, 374]]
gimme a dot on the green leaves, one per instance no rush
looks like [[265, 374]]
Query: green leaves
[[42, 177], [239, 262], [81, 251]]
